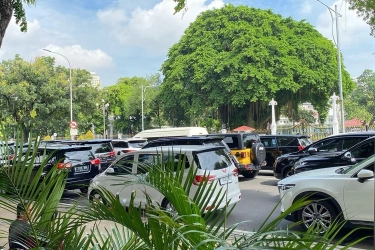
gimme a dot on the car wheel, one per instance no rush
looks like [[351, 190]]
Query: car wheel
[[168, 207], [287, 172], [250, 174], [258, 153], [84, 190], [318, 214], [96, 196]]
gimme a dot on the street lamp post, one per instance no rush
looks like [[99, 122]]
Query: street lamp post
[[70, 86], [342, 116], [143, 90], [104, 107]]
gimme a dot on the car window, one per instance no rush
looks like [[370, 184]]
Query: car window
[[329, 145], [212, 160], [79, 156], [232, 142], [124, 165], [120, 144], [350, 142], [269, 141], [364, 151], [98, 148], [144, 161], [304, 142], [287, 141]]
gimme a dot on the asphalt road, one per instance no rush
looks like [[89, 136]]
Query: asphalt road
[[259, 201]]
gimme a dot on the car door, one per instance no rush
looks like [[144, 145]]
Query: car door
[[359, 198], [144, 161], [122, 172]]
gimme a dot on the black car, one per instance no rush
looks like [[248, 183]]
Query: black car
[[340, 142], [101, 148], [280, 144], [353, 155], [82, 164]]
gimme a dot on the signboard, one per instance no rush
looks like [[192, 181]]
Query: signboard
[[73, 131], [73, 125]]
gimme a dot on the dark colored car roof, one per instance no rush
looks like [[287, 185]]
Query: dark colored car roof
[[64, 147], [84, 141], [166, 140], [285, 135], [354, 133]]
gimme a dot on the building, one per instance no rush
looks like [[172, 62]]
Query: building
[[95, 80]]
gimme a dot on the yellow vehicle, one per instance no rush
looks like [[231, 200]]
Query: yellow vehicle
[[248, 150]]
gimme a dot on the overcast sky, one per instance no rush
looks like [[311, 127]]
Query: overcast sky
[[126, 38]]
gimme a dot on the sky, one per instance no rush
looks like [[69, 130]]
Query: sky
[[127, 38]]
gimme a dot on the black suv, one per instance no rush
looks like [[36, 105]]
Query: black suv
[[277, 145], [82, 164], [353, 155], [340, 142], [248, 150], [101, 148]]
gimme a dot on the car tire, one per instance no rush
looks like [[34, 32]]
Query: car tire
[[168, 207], [287, 172], [97, 196], [250, 174], [258, 153], [318, 213], [84, 190]]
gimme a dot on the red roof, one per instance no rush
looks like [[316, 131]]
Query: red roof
[[353, 122], [243, 128]]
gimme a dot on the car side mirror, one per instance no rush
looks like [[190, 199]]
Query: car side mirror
[[110, 171], [312, 150], [365, 174], [348, 156]]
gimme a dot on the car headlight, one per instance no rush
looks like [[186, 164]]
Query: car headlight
[[285, 186]]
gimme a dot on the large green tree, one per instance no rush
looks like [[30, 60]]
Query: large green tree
[[9, 8], [236, 59], [36, 95], [366, 10], [125, 99], [360, 103]]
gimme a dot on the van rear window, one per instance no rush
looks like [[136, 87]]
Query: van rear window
[[212, 160]]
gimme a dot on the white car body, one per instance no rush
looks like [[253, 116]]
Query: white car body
[[203, 157], [123, 146], [351, 190]]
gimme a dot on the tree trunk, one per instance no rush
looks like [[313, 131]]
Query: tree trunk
[[6, 12]]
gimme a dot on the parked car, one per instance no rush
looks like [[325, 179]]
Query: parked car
[[152, 134], [101, 148], [277, 145], [83, 166], [6, 152], [283, 164], [336, 192], [123, 146], [248, 150], [353, 155], [192, 140], [212, 161]]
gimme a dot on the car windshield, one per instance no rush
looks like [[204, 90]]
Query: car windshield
[[101, 147], [366, 161], [213, 159]]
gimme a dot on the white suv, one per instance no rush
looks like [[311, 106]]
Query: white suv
[[347, 192], [212, 162]]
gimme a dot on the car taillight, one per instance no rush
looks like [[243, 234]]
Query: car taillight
[[235, 171], [11, 157], [96, 161], [243, 154], [127, 150], [201, 178], [300, 147], [111, 154], [62, 165]]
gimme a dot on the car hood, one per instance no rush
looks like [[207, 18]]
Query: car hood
[[318, 173]]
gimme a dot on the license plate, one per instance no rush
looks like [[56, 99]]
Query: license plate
[[81, 169], [225, 180]]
